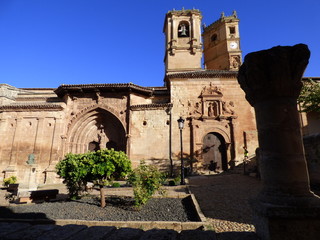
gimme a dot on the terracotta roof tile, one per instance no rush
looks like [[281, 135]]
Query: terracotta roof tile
[[151, 106], [203, 74], [30, 107]]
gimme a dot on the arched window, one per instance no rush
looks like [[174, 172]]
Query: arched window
[[183, 29]]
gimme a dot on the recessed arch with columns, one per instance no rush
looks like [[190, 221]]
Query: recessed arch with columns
[[95, 124], [221, 131], [201, 130]]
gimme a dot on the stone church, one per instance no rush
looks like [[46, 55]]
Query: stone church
[[38, 126]]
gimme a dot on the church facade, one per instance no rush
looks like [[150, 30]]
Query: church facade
[[39, 126]]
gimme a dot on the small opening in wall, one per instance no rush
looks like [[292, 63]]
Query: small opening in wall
[[214, 37], [183, 29], [49, 124], [168, 122], [144, 123], [232, 30]]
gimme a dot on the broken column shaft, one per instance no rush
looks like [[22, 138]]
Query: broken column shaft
[[271, 80]]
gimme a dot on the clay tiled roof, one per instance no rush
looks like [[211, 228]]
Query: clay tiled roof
[[46, 99], [203, 74], [151, 106], [30, 107], [64, 89]]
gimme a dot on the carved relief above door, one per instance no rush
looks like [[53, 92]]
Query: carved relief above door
[[211, 105]]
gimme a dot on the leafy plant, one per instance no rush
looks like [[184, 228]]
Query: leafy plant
[[9, 180], [309, 98], [116, 185], [146, 180], [99, 167]]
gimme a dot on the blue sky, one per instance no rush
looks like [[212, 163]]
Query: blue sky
[[46, 43]]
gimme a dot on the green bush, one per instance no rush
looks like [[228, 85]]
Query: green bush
[[309, 98], [99, 167], [146, 180], [9, 180], [116, 185]]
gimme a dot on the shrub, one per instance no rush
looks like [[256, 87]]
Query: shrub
[[9, 180], [99, 167], [309, 98], [116, 185], [146, 180]]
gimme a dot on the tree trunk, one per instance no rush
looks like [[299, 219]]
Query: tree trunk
[[102, 197]]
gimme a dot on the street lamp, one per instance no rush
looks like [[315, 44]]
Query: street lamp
[[181, 125]]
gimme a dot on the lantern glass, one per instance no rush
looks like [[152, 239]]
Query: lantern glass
[[181, 123]]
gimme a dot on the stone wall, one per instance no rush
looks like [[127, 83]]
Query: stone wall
[[312, 152], [233, 118]]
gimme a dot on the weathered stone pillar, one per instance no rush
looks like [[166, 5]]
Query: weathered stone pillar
[[286, 207]]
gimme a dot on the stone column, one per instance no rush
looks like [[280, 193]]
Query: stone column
[[271, 80]]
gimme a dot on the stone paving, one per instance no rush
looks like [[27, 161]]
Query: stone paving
[[223, 198]]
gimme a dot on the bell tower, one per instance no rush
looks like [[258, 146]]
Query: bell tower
[[222, 44], [183, 51]]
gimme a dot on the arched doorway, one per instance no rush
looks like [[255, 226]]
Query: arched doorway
[[95, 130], [214, 149]]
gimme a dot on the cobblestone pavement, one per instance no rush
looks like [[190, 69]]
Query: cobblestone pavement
[[223, 200]]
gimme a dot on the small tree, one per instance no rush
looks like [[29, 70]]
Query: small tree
[[146, 180], [108, 164], [309, 98], [98, 167], [74, 169]]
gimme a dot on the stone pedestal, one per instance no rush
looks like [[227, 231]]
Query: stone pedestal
[[285, 208], [286, 222], [29, 182]]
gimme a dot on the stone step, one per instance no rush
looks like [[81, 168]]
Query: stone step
[[23, 231]]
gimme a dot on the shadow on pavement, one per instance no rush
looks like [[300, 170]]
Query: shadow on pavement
[[7, 214], [236, 236], [225, 196]]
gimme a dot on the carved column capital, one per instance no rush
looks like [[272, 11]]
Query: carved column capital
[[273, 73]]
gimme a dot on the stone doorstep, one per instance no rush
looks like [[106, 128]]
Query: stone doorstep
[[16, 230]]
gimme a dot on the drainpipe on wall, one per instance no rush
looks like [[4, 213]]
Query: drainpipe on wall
[[170, 140], [128, 118]]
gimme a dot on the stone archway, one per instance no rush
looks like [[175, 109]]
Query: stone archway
[[214, 149], [96, 129]]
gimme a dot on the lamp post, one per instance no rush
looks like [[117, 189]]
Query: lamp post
[[181, 125]]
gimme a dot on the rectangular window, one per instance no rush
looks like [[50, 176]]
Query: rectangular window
[[232, 30]]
